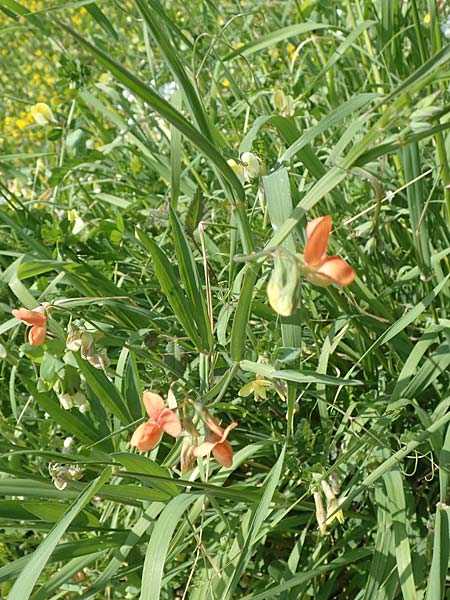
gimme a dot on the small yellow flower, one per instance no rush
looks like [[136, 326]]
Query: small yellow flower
[[21, 123], [226, 83], [77, 20], [104, 78], [291, 48], [275, 53], [258, 387], [42, 113], [427, 19]]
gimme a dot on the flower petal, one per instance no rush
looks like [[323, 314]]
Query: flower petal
[[36, 335], [223, 453], [204, 448], [337, 270], [154, 404], [214, 426], [146, 436], [169, 422], [227, 431], [246, 389], [31, 317], [317, 234]]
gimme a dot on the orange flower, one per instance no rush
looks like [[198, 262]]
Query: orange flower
[[149, 434], [317, 268], [216, 442], [38, 319]]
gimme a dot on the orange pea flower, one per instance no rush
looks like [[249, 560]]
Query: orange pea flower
[[216, 442], [38, 319], [318, 268], [149, 434]]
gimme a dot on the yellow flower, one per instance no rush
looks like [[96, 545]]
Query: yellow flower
[[42, 113], [275, 53], [226, 83], [21, 123], [105, 78], [427, 19], [258, 387]]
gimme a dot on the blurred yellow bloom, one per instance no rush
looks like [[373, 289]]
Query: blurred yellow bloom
[[226, 83], [291, 48], [105, 78], [42, 113], [427, 18], [275, 53], [21, 123], [77, 20]]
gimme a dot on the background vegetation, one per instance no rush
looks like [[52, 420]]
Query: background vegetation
[[123, 213]]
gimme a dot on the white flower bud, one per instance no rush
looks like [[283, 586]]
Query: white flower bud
[[66, 401], [252, 165]]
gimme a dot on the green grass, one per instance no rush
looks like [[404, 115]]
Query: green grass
[[124, 214]]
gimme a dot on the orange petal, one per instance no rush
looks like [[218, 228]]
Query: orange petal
[[146, 436], [32, 317], [204, 448], [337, 270], [227, 431], [317, 234], [169, 422], [154, 404], [36, 335], [214, 426], [223, 453]]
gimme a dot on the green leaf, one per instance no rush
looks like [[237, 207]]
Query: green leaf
[[158, 545], [191, 281], [146, 466], [105, 391], [170, 286], [272, 38], [297, 376], [26, 581]]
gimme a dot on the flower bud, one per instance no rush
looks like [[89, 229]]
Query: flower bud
[[66, 401], [283, 289], [252, 165], [42, 113], [279, 100], [87, 345], [237, 168], [187, 458], [73, 341]]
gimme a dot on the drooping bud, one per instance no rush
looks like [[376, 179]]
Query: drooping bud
[[42, 113], [187, 458], [283, 289], [252, 165], [279, 100], [73, 341], [237, 168]]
